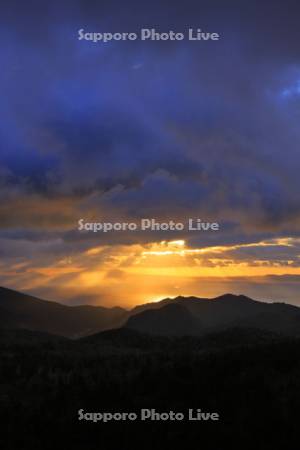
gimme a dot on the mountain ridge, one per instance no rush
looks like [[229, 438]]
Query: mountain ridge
[[225, 311], [180, 316], [23, 311]]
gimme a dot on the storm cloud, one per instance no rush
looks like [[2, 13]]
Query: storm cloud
[[126, 130]]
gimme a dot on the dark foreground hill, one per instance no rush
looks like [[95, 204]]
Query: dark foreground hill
[[21, 311], [250, 378]]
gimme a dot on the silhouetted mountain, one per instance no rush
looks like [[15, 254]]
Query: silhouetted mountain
[[20, 311], [190, 316], [170, 320], [209, 315]]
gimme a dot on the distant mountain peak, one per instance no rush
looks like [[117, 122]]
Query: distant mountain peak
[[170, 317], [200, 316], [233, 297]]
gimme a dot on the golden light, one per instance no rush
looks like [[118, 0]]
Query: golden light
[[132, 274]]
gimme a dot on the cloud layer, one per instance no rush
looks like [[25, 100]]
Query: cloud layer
[[126, 130]]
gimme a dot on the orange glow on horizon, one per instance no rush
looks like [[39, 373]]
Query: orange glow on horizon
[[134, 274]]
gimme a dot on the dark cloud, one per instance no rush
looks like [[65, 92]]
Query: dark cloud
[[137, 129]]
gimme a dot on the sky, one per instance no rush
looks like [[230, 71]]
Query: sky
[[119, 131]]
